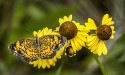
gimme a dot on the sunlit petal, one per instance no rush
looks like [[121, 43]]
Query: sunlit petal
[[105, 17]]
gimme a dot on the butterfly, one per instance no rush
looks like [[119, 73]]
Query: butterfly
[[32, 49]]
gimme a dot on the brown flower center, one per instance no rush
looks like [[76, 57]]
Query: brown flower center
[[104, 32], [68, 29]]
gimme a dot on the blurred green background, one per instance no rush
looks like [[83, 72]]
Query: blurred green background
[[19, 18]]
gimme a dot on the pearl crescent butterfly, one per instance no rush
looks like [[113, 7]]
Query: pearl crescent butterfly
[[31, 49]]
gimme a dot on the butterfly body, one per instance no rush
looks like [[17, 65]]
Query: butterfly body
[[32, 49]]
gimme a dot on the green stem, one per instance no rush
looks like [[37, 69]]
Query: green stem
[[59, 70], [101, 66]]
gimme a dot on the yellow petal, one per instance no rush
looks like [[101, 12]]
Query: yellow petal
[[73, 46], [63, 48], [53, 64], [61, 21], [35, 63], [58, 55], [70, 17], [44, 63], [82, 34], [50, 61], [107, 21], [91, 21], [103, 48], [91, 24], [83, 29], [57, 29], [112, 36], [39, 63], [48, 65], [40, 34], [100, 48], [105, 17], [113, 32], [65, 18], [46, 31], [31, 62], [35, 33], [110, 23], [80, 27], [77, 44], [54, 59], [112, 27], [91, 38], [81, 42], [93, 48], [94, 45]]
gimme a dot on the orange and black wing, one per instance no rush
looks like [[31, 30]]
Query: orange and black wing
[[27, 49], [50, 44], [32, 49]]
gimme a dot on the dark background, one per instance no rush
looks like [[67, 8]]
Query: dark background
[[19, 18]]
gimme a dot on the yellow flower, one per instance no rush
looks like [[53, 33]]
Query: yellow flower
[[46, 62], [74, 32], [96, 41]]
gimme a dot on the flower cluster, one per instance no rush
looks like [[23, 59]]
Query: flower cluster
[[46, 62], [78, 36]]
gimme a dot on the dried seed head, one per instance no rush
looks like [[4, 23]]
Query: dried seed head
[[69, 51]]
